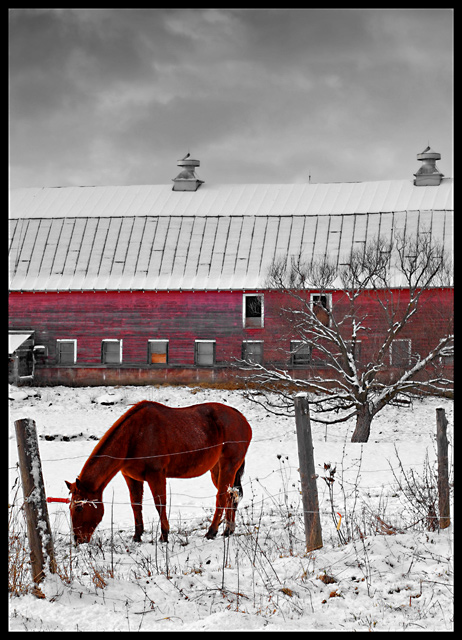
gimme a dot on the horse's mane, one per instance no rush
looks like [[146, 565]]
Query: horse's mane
[[118, 424]]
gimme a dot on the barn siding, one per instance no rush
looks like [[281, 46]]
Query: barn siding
[[135, 317], [183, 317]]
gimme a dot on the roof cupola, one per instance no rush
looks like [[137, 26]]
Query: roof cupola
[[187, 180], [428, 175]]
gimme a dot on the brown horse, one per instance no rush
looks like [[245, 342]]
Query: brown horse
[[154, 442]]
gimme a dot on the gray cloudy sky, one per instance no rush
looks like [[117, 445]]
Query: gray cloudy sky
[[116, 96]]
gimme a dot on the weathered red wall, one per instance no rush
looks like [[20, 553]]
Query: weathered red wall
[[181, 318], [433, 319], [135, 317]]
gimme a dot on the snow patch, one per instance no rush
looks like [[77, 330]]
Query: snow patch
[[260, 578]]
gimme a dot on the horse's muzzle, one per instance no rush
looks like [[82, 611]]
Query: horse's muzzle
[[80, 538]]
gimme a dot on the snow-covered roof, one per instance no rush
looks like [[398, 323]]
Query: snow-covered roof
[[230, 200], [16, 339], [218, 237]]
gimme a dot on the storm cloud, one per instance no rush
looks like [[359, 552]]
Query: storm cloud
[[116, 96]]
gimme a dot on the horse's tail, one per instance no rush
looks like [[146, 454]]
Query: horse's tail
[[237, 482]]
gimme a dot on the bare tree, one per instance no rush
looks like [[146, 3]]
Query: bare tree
[[359, 361]]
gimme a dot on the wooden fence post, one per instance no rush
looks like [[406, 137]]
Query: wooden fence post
[[443, 476], [313, 533], [35, 505]]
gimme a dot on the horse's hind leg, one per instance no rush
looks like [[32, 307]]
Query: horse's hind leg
[[227, 482], [136, 497], [158, 485], [212, 532], [235, 494]]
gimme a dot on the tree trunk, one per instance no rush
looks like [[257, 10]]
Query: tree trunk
[[363, 425]]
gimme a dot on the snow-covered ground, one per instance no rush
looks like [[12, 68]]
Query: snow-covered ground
[[392, 573]]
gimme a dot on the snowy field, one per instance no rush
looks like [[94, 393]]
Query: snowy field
[[382, 570]]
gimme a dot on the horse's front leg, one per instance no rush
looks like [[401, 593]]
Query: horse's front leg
[[223, 478], [136, 498], [158, 485]]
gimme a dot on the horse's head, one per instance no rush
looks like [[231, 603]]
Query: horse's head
[[86, 511]]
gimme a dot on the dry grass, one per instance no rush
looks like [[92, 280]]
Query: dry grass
[[19, 574]]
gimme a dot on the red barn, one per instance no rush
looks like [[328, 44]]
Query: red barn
[[152, 284]]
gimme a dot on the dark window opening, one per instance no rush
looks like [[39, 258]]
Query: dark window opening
[[321, 307], [253, 311], [300, 353], [252, 352], [25, 363], [400, 353]]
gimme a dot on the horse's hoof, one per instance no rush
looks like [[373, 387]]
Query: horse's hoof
[[163, 537], [211, 535]]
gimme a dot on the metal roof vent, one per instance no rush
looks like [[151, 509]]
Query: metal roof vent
[[428, 175], [187, 180]]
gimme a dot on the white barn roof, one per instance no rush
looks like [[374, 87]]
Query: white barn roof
[[230, 200], [218, 237]]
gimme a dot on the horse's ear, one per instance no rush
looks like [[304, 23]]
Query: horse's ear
[[77, 483], [69, 485]]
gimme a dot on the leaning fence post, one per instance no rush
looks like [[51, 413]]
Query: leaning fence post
[[313, 533], [443, 476], [35, 505]]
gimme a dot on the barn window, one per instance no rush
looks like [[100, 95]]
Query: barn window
[[400, 353], [447, 356], [66, 351], [321, 303], [253, 311], [252, 351], [157, 351], [111, 351], [300, 353], [204, 353]]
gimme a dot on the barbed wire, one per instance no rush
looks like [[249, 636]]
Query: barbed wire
[[355, 484], [250, 480], [253, 503], [186, 452]]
